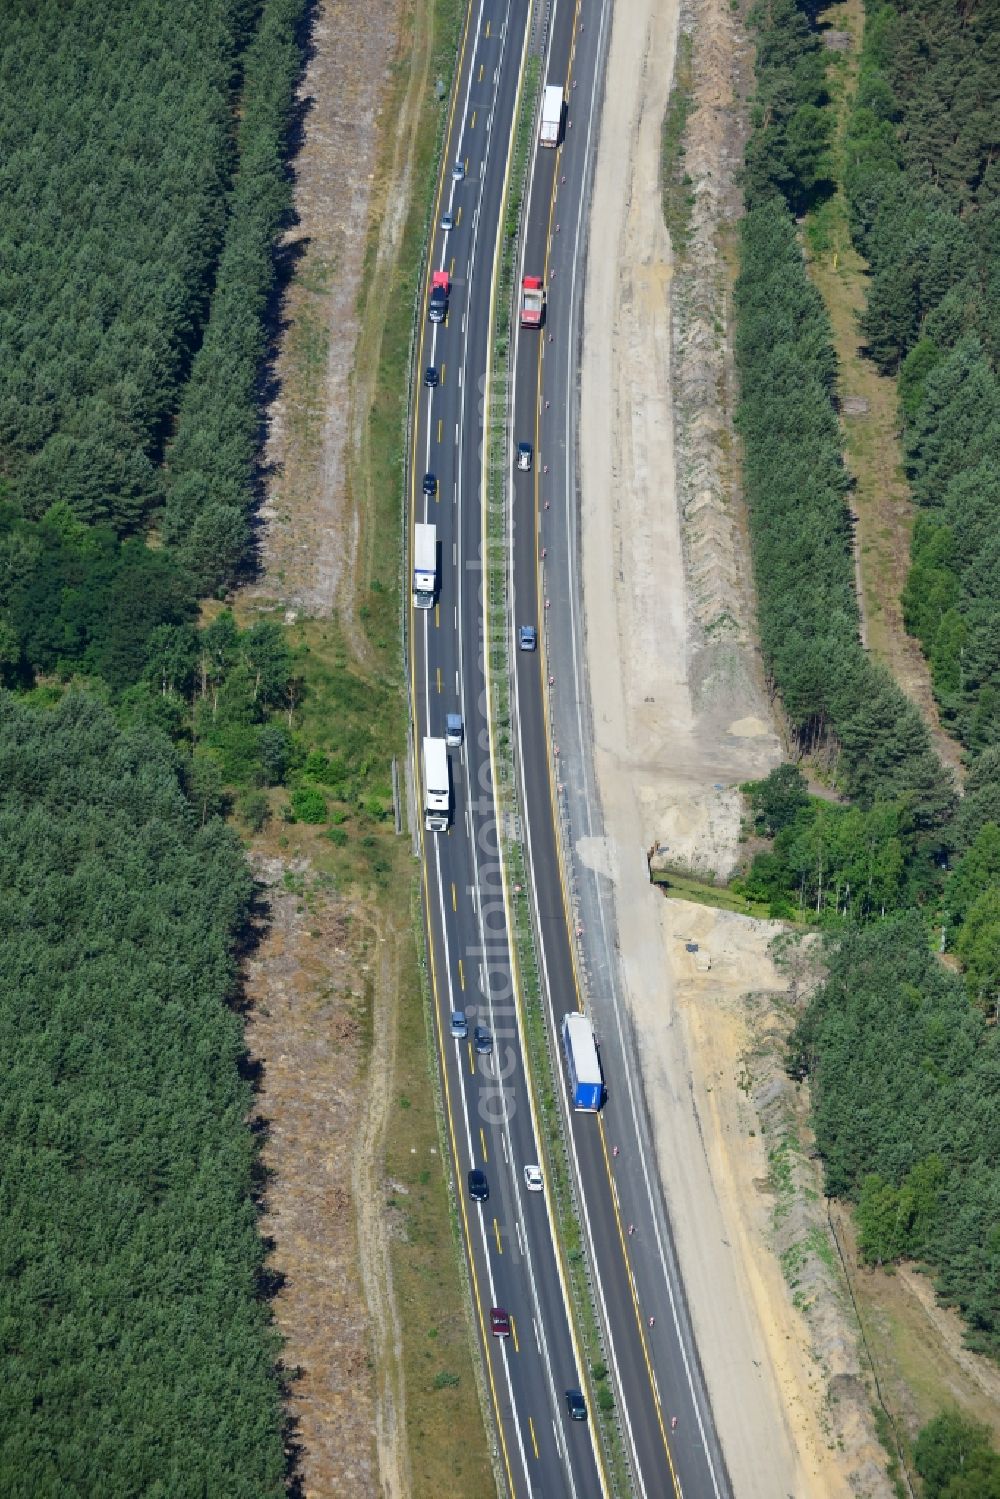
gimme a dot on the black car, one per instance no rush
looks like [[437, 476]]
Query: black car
[[484, 1041], [479, 1187], [576, 1405], [431, 377], [430, 484]]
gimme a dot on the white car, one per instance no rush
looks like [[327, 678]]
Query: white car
[[524, 457], [533, 1178], [458, 171]]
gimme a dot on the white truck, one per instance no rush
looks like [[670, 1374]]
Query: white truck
[[437, 786], [425, 546], [552, 113]]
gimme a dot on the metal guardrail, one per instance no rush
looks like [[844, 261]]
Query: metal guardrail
[[498, 637], [412, 784]]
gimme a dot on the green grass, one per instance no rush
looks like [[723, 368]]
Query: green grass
[[678, 199], [779, 1176], [352, 715], [688, 887], [528, 984], [445, 1432], [307, 349], [383, 461], [814, 1244], [888, 1436]]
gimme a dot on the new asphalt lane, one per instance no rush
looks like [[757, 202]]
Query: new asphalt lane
[[665, 1416]]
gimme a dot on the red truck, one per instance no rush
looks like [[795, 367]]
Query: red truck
[[440, 289], [532, 302]]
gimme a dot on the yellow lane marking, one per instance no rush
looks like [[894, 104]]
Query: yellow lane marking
[[437, 616], [443, 368], [458, 216], [496, 1230], [439, 679], [425, 862], [454, 897], [518, 981], [517, 1347], [534, 1439], [635, 1306], [472, 1059], [461, 974], [472, 122], [440, 427], [480, 78], [550, 765], [482, 1141]]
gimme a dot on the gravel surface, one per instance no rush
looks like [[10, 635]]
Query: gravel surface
[[680, 717]]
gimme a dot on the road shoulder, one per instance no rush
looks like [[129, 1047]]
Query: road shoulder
[[680, 717]]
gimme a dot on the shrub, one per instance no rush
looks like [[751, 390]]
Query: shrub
[[309, 804], [254, 810]]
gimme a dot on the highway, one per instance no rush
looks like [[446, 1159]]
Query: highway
[[511, 1253], [514, 1264]]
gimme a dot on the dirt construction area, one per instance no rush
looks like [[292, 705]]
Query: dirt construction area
[[310, 523], [306, 1020], [680, 718]]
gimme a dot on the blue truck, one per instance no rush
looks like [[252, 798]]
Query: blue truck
[[582, 1063]]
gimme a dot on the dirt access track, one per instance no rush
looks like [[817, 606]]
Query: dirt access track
[[322, 987], [680, 718]]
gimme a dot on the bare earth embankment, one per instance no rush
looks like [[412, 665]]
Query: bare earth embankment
[[680, 718], [311, 526], [315, 982], [307, 1022], [382, 1393]]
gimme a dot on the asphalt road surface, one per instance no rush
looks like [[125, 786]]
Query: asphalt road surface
[[663, 1410]]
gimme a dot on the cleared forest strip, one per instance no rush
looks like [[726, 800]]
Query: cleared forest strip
[[880, 502], [338, 429]]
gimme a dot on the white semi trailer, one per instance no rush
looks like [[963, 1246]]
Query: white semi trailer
[[437, 786], [425, 546], [552, 112]]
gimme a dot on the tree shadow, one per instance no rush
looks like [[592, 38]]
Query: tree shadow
[[269, 1280], [288, 252], [293, 1445], [254, 928], [808, 199]]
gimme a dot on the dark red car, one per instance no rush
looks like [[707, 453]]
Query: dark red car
[[499, 1322]]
